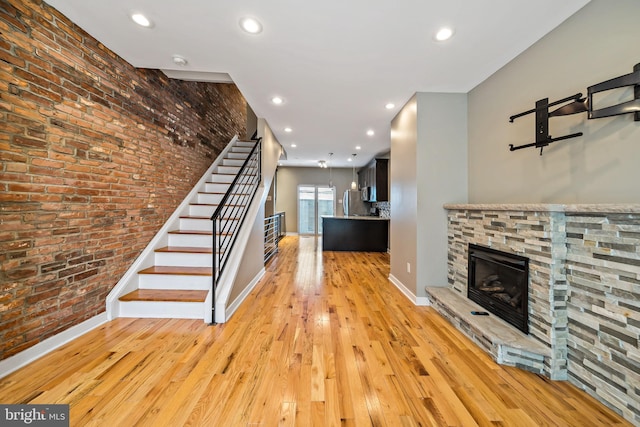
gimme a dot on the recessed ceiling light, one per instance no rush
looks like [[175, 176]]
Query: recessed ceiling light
[[251, 25], [288, 130], [277, 100], [389, 106], [293, 145], [179, 60], [141, 20], [443, 34], [358, 147], [371, 132], [350, 159]]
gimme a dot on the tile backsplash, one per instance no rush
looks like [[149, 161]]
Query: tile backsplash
[[384, 209]]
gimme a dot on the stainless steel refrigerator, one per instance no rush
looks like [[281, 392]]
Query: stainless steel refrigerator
[[353, 205]]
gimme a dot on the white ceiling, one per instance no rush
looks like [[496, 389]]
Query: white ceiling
[[336, 63]]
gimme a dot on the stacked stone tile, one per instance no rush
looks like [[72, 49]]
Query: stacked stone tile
[[584, 287], [603, 271]]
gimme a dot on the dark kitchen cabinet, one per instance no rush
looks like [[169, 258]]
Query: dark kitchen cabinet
[[361, 234], [376, 176]]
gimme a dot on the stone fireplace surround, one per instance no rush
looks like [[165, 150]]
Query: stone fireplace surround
[[584, 292]]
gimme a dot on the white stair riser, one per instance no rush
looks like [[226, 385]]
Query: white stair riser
[[174, 281], [183, 259], [226, 226], [238, 156], [216, 187], [202, 210], [196, 224], [233, 170], [162, 310], [233, 162], [194, 240], [239, 149], [216, 177], [210, 198]]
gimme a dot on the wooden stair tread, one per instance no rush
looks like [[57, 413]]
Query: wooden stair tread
[[172, 295], [186, 249], [184, 271]]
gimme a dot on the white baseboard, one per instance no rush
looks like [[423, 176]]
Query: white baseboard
[[419, 301], [27, 356], [244, 294]]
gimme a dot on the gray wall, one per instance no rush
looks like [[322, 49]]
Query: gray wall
[[442, 148], [270, 203], [428, 169], [253, 258], [599, 42], [404, 194], [288, 179]]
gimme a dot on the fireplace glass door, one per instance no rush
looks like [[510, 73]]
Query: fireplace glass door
[[499, 282]]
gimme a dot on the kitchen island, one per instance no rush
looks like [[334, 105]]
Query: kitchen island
[[355, 233]]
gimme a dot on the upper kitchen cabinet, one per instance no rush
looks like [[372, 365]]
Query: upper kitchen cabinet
[[375, 176]]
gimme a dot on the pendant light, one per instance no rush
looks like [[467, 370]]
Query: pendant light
[[354, 184]]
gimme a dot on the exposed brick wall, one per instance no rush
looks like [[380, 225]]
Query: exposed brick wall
[[96, 155]]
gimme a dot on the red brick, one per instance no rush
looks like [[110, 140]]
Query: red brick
[[77, 177], [13, 197]]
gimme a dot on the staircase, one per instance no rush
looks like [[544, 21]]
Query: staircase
[[177, 284]]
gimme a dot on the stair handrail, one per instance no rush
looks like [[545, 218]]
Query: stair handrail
[[242, 182]]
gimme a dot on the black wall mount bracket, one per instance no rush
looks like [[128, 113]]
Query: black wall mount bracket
[[577, 104]]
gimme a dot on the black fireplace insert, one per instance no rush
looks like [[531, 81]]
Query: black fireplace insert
[[499, 282]]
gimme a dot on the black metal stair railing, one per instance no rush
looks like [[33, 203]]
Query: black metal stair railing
[[271, 236], [231, 213]]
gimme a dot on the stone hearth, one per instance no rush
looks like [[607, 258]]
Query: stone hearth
[[506, 344]]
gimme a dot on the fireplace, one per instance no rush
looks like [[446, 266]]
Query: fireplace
[[499, 282]]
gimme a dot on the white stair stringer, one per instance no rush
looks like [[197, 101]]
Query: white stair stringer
[[183, 244]]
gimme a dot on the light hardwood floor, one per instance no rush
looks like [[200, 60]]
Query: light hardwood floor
[[324, 340]]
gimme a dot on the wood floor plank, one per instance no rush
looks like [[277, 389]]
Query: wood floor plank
[[324, 339]]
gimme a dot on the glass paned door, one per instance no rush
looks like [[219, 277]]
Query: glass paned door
[[326, 197], [306, 209], [314, 202]]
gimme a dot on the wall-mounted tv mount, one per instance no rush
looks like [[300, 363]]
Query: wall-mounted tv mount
[[577, 104]]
